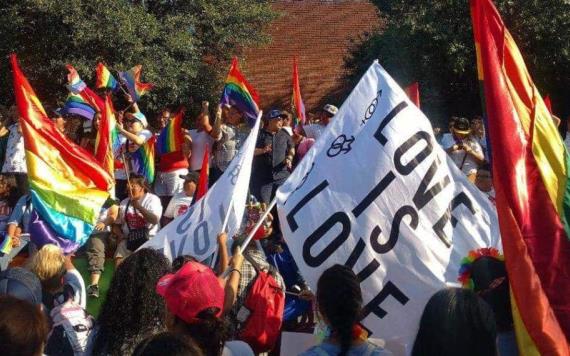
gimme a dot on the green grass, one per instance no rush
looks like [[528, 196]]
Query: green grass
[[94, 304]]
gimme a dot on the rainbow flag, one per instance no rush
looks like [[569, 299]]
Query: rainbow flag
[[107, 142], [296, 99], [530, 175], [67, 186], [5, 245], [75, 104], [105, 79], [171, 137], [239, 93], [131, 79], [78, 87], [143, 160]]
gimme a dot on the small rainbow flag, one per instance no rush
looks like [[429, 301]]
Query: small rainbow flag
[[75, 104], [132, 79], [171, 137], [239, 93], [105, 79], [67, 185], [531, 175], [78, 87], [143, 160], [6, 244], [107, 141], [296, 99]]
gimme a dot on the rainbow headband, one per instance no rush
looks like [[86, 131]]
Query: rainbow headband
[[467, 264]]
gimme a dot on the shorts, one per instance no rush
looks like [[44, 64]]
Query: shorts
[[122, 250], [169, 183]]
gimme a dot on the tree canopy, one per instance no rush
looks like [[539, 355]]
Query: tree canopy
[[431, 41], [180, 43]]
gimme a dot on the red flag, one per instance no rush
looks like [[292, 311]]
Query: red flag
[[548, 103], [530, 174], [413, 92], [204, 175]]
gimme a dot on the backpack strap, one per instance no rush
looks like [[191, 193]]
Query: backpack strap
[[271, 270]]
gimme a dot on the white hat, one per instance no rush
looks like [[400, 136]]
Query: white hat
[[140, 117], [331, 109]]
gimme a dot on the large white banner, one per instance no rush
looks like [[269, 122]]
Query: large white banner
[[194, 233], [377, 193]]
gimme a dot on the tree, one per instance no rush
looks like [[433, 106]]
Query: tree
[[431, 41], [183, 45]]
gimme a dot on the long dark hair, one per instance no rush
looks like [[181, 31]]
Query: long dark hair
[[132, 309], [210, 332], [340, 301], [456, 321]]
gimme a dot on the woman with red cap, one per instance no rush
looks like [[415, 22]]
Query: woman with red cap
[[195, 302]]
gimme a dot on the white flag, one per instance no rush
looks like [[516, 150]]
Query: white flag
[[194, 232], [377, 193]]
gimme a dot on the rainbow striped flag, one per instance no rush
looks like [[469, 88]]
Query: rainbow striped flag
[[239, 93], [67, 186], [132, 79], [171, 137], [75, 104], [143, 160], [6, 244], [105, 79], [78, 87], [107, 142], [530, 175], [296, 99]]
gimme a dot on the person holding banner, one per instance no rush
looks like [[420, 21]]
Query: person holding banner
[[229, 136], [315, 130]]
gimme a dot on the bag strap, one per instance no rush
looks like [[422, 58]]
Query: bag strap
[[257, 267]]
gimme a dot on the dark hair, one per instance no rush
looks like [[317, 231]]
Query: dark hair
[[140, 180], [340, 300], [485, 167], [13, 194], [210, 333], [491, 283], [181, 261], [167, 344], [456, 321], [132, 309], [23, 327]]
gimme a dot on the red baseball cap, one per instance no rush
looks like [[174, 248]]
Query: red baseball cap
[[190, 291]]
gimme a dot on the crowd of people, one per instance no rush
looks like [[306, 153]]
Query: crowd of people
[[155, 307]]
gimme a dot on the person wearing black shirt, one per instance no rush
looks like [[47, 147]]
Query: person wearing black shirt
[[273, 159]]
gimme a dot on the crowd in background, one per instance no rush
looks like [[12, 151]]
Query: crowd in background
[[187, 308]]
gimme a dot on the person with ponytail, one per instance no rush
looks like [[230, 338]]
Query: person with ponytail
[[339, 301], [195, 302]]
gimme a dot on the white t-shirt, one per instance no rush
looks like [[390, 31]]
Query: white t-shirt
[[15, 161], [178, 205], [314, 131], [236, 348], [136, 220], [200, 140], [145, 135], [462, 160]]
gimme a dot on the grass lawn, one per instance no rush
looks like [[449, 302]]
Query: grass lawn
[[94, 304]]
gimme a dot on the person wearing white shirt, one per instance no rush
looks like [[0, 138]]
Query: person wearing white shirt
[[463, 149], [181, 201], [484, 181], [315, 131], [141, 210], [202, 138]]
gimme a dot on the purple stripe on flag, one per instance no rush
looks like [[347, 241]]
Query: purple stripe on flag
[[41, 234]]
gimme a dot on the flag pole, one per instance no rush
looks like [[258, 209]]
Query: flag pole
[[223, 230]]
